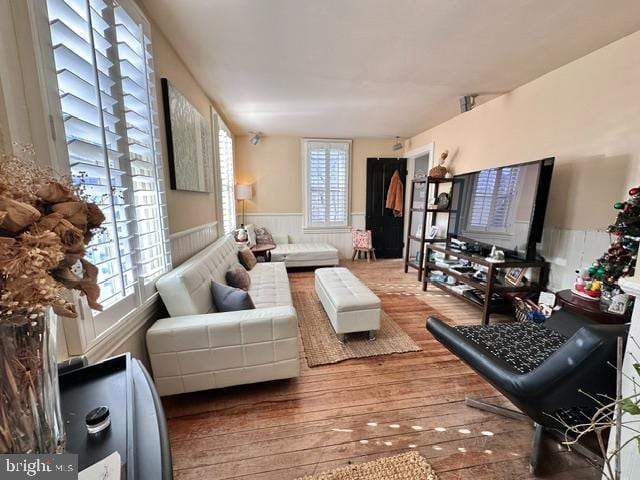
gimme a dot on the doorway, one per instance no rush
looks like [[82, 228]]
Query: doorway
[[386, 229]]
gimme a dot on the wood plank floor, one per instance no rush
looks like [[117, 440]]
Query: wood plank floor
[[363, 409]]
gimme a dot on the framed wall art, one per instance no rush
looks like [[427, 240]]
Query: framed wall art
[[189, 142]]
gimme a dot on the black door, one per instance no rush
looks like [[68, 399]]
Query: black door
[[386, 229]]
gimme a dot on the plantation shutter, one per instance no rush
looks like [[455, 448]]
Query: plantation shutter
[[227, 192], [104, 68], [327, 167]]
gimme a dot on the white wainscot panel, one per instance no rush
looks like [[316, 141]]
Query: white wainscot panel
[[187, 243], [571, 250], [291, 225]]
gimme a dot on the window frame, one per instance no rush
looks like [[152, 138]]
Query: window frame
[[218, 125], [307, 225], [91, 329]]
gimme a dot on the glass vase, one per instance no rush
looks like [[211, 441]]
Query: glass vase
[[30, 414]]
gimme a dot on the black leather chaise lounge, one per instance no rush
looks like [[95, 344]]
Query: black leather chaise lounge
[[548, 370]]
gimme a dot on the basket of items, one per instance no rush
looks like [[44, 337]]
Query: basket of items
[[526, 309]]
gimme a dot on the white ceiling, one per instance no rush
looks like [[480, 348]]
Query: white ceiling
[[351, 68]]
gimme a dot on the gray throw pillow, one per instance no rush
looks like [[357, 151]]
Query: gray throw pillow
[[247, 258], [238, 277], [229, 299]]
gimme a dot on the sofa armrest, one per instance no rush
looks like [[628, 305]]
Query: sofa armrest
[[281, 239], [215, 350]]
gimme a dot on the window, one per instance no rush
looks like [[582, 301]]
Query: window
[[225, 170], [493, 199], [327, 167], [106, 96]]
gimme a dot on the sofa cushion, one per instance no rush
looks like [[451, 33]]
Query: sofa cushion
[[523, 345], [270, 285], [238, 277], [247, 258], [185, 289], [304, 252], [229, 299]]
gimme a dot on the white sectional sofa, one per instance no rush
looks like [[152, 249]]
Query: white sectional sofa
[[198, 348], [304, 254]]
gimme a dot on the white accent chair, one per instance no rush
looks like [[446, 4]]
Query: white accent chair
[[198, 348]]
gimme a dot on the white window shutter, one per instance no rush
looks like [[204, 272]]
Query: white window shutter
[[104, 67], [225, 164], [327, 167]]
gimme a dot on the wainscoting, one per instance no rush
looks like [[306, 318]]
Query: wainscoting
[[186, 243], [291, 224], [569, 250]]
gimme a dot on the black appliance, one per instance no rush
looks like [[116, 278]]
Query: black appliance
[[502, 206]]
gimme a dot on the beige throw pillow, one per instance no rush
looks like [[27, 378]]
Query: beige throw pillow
[[247, 258]]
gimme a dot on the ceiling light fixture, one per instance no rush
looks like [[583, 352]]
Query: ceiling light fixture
[[255, 137], [398, 145]]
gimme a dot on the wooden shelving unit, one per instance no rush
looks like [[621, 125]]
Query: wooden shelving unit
[[490, 286], [425, 183]]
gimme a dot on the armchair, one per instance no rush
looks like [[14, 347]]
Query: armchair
[[568, 364]]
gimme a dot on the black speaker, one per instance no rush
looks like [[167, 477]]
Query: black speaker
[[467, 102]]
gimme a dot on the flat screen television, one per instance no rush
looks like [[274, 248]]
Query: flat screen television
[[502, 206]]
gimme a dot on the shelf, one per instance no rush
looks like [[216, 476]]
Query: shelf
[[438, 210], [497, 287], [427, 240], [493, 308], [482, 261], [461, 277], [420, 205]]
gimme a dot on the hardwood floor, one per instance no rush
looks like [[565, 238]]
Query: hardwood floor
[[363, 409]]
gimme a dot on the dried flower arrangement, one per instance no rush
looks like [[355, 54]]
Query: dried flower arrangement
[[45, 224]]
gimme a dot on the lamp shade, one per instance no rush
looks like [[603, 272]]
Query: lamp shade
[[243, 192]]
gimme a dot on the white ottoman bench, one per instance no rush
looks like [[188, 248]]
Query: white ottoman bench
[[350, 305]]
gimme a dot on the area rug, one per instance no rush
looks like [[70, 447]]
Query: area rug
[[408, 466], [322, 347]]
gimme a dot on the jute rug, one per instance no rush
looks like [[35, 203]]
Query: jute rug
[[408, 466], [321, 345]]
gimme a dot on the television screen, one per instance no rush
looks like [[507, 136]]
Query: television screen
[[502, 206]]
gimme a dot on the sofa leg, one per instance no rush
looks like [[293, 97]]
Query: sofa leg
[[535, 449], [490, 407], [342, 338], [372, 335]]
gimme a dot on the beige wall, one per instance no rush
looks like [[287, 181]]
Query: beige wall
[[186, 209], [586, 114], [274, 167]]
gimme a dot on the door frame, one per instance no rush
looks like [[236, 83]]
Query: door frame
[[411, 156]]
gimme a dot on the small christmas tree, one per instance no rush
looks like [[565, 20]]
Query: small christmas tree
[[620, 259]]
